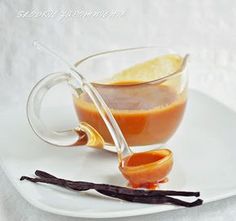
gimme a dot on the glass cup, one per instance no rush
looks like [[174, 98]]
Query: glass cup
[[147, 100]]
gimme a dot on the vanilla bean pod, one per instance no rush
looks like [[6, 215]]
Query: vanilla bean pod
[[122, 190], [132, 195], [152, 199]]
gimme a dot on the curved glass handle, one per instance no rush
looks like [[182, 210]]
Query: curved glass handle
[[83, 134]]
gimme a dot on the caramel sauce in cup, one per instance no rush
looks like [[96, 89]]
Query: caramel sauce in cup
[[146, 113]]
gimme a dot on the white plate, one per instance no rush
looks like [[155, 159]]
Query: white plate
[[204, 150]]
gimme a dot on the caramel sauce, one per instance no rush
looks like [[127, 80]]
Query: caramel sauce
[[141, 159], [146, 113], [147, 169]]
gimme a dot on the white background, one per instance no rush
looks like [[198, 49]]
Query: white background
[[205, 29]]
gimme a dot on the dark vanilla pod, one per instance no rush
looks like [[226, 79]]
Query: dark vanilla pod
[[123, 193]]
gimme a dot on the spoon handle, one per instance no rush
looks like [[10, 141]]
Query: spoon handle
[[114, 129]]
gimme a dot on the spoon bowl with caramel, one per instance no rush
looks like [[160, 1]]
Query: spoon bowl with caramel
[[147, 169]]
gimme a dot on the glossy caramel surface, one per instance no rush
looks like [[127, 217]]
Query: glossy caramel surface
[[146, 113]]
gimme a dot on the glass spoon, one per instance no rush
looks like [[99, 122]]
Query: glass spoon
[[151, 165]]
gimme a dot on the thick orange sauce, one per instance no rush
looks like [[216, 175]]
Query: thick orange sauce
[[146, 113], [147, 169], [141, 159]]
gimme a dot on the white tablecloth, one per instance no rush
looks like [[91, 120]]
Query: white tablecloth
[[205, 29]]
